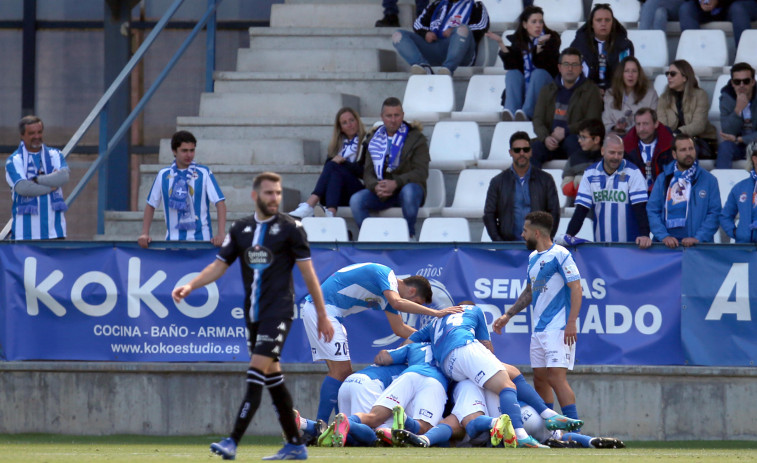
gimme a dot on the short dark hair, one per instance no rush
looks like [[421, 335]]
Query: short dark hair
[[520, 135], [595, 127], [422, 287], [541, 220], [572, 51], [263, 176], [182, 136], [28, 120], [392, 101], [681, 137], [738, 67], [645, 110]]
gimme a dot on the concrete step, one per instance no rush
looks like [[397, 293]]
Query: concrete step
[[365, 59], [273, 104], [127, 225], [283, 151], [321, 38], [335, 14]]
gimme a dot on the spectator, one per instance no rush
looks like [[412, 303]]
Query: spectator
[[563, 103], [649, 145], [617, 193], [684, 107], [343, 172], [397, 173], [186, 190], [656, 13], [591, 135], [684, 207], [738, 115], [531, 63], [391, 12], [446, 34], [741, 13], [630, 91], [742, 201], [517, 191], [35, 172], [603, 42]]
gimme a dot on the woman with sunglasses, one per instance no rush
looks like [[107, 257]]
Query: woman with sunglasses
[[530, 60], [603, 43], [630, 91], [684, 107]]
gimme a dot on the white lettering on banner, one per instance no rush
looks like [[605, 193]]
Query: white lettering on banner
[[737, 279], [597, 284], [592, 321], [117, 330], [136, 293], [503, 288], [91, 278], [493, 310], [36, 293], [203, 310]]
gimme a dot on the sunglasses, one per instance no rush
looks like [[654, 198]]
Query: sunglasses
[[525, 149], [671, 73], [737, 82]]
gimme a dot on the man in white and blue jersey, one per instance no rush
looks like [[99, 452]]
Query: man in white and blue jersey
[[35, 172], [617, 192], [354, 289], [554, 286], [186, 190]]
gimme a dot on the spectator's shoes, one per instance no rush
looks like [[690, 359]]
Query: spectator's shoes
[[520, 116], [442, 71], [421, 69], [390, 20], [503, 432], [302, 211], [290, 452], [405, 437], [607, 443], [561, 421], [227, 448], [530, 443], [507, 115]]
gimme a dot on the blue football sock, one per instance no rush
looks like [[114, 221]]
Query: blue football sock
[[570, 411], [527, 394], [412, 425], [582, 439], [478, 425], [508, 403], [439, 434], [329, 394], [309, 427], [549, 404], [362, 433]]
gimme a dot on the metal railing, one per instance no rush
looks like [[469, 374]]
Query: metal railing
[[106, 146]]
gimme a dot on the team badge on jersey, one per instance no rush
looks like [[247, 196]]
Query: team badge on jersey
[[742, 198], [258, 257], [275, 229]]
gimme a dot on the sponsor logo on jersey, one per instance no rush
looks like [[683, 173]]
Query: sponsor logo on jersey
[[610, 196], [258, 257], [426, 413]]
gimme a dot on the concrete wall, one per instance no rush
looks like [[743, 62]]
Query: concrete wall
[[629, 402]]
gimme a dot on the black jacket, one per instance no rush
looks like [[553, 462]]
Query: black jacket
[[498, 211], [621, 48]]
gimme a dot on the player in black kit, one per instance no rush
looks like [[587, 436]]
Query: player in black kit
[[269, 243]]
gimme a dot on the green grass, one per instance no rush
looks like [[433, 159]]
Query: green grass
[[57, 448]]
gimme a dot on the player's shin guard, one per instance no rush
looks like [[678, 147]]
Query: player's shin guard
[[478, 425], [439, 434], [528, 395], [508, 403], [362, 433], [282, 401], [570, 411], [250, 404], [328, 398]]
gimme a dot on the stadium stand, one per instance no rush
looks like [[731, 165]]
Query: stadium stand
[[445, 229]]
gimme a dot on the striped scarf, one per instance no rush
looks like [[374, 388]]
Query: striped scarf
[[30, 204], [349, 149], [181, 195], [677, 198], [446, 16], [528, 58], [379, 148]]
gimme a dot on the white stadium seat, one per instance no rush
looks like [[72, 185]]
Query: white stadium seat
[[727, 178], [455, 145], [470, 193], [586, 232], [428, 97], [325, 228], [714, 114], [705, 50], [650, 48], [557, 177], [384, 229], [445, 229], [623, 10], [499, 153], [436, 198], [747, 52], [566, 38], [561, 11], [483, 99], [502, 13], [485, 238]]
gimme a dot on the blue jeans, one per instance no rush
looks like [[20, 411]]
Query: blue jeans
[[450, 52], [409, 198], [516, 87], [336, 185], [390, 7], [741, 13], [727, 152], [655, 14], [540, 153]]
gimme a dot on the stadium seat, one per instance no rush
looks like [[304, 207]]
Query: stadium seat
[[651, 49], [499, 153], [325, 228], [503, 13], [384, 229], [483, 99], [561, 11], [428, 97], [498, 67], [445, 229], [586, 232], [557, 177], [714, 114], [436, 198], [746, 51], [623, 10], [727, 178], [566, 38], [455, 145], [705, 50], [485, 238], [470, 193]]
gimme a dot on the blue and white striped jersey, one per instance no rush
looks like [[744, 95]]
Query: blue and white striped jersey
[[548, 273], [203, 188], [611, 197], [454, 330], [358, 287], [420, 359]]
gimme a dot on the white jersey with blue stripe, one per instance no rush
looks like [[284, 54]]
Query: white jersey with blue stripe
[[384, 373], [420, 359], [611, 197], [204, 190], [454, 330], [358, 287], [548, 273]]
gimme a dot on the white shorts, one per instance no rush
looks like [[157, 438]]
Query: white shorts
[[358, 393], [337, 349], [472, 361], [423, 397], [534, 425], [469, 399], [548, 350]]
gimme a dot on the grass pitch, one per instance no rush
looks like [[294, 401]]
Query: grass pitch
[[56, 448]]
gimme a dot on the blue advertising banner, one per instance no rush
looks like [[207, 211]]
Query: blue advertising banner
[[717, 326]]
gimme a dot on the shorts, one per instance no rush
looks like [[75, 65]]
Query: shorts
[[469, 399], [422, 397], [358, 393], [548, 350], [267, 337], [535, 426], [472, 361], [337, 350]]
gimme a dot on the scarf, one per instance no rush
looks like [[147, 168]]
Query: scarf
[[753, 225], [30, 204], [446, 17], [349, 149], [528, 58], [181, 195], [379, 148], [602, 57], [677, 198]]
